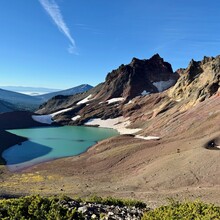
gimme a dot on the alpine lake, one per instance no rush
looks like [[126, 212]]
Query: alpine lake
[[49, 143]]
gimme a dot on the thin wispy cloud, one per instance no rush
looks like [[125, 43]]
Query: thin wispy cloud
[[53, 11]]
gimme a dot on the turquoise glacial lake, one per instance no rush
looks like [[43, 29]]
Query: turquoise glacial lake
[[46, 144]]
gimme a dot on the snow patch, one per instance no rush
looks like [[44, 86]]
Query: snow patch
[[84, 100], [61, 111], [163, 85], [119, 124], [45, 119], [48, 119], [76, 117], [147, 137], [119, 99], [145, 93]]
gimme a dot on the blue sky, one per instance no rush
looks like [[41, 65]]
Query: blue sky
[[64, 43]]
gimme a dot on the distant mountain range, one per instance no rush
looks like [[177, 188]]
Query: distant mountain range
[[29, 90], [67, 92], [19, 101], [11, 101]]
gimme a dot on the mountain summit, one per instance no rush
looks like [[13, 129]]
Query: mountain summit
[[139, 77], [124, 89], [199, 81]]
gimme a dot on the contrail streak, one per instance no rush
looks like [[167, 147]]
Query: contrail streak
[[53, 11]]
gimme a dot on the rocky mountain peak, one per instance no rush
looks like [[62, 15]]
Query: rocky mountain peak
[[138, 76], [156, 57], [200, 80], [180, 71], [110, 99], [193, 69], [207, 59], [135, 61]]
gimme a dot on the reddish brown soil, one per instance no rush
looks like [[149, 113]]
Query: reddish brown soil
[[178, 165]]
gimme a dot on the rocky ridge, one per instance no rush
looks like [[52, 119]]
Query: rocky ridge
[[139, 78], [125, 88], [199, 81]]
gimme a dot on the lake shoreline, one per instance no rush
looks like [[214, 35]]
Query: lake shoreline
[[14, 120], [9, 140], [44, 144]]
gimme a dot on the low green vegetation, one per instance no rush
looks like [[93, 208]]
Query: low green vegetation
[[37, 207], [187, 210]]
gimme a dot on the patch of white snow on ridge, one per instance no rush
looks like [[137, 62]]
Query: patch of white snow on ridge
[[145, 93], [84, 100], [45, 119], [75, 117], [48, 119], [61, 111], [119, 124], [163, 85], [108, 123], [119, 99], [147, 137]]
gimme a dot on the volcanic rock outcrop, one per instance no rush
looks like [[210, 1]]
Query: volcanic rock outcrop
[[199, 81], [123, 93], [120, 95], [162, 113], [140, 77]]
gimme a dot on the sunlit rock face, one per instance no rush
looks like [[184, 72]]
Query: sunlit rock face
[[137, 88], [140, 76], [199, 81]]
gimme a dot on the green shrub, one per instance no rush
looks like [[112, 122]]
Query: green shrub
[[187, 210], [35, 207]]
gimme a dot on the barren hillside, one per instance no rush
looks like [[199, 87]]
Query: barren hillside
[[183, 161]]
